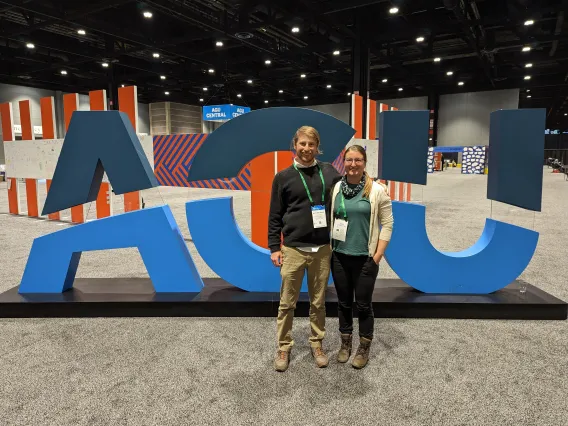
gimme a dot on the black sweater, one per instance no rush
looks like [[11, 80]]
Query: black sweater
[[290, 208]]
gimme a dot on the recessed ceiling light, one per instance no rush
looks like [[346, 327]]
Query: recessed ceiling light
[[529, 22], [201, 100], [265, 102], [529, 96], [420, 39], [526, 49], [219, 44], [400, 89], [528, 90], [81, 32], [239, 96], [105, 64], [148, 15], [30, 46], [336, 52], [281, 91], [329, 86], [566, 113], [303, 76], [249, 81], [268, 62], [393, 10], [295, 30], [166, 93], [529, 65], [460, 83], [437, 59], [385, 80], [156, 55], [163, 77], [450, 73], [211, 70], [349, 94], [63, 72], [205, 89], [527, 77], [430, 139], [122, 85], [305, 97]]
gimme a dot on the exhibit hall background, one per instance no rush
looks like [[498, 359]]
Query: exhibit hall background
[[15, 94]]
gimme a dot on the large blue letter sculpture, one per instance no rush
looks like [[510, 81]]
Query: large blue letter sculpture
[[499, 257]]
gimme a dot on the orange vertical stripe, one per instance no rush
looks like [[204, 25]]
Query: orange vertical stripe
[[358, 115], [372, 120], [47, 109], [262, 175], [392, 189], [128, 103], [47, 117], [8, 136], [32, 197], [28, 135], [408, 191], [71, 104], [97, 102], [400, 191]]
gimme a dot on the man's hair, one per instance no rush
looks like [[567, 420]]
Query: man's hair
[[310, 132]]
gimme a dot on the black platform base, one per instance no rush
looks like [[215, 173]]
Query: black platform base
[[119, 297]]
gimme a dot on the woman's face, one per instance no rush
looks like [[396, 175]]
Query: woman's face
[[306, 149], [354, 164]]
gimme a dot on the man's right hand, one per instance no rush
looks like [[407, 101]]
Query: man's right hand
[[276, 258]]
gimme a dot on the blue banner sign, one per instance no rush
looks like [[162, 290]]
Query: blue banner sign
[[223, 112]]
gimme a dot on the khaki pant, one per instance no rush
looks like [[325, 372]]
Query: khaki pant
[[295, 262]]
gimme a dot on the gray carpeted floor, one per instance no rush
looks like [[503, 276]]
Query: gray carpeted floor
[[219, 371]]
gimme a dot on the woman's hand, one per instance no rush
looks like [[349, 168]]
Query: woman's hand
[[377, 258]]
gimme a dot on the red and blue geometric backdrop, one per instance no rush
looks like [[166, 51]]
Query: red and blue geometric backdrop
[[173, 155]]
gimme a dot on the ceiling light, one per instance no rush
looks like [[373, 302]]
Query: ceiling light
[[460, 83], [205, 89], [529, 65], [393, 10], [167, 93], [420, 39], [336, 52], [329, 86], [281, 91], [211, 70], [349, 94], [529, 96], [303, 76], [385, 80], [526, 49], [437, 59], [156, 55], [147, 15], [295, 30], [400, 89], [527, 77], [122, 85], [105, 64], [528, 90], [565, 114], [30, 46], [81, 32], [265, 102], [305, 97], [163, 77], [63, 72], [450, 73], [249, 81], [529, 22], [239, 96], [201, 100], [268, 62], [219, 44]]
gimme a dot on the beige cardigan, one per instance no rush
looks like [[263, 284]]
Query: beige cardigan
[[381, 213]]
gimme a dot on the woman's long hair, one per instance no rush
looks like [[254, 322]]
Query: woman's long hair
[[368, 181]]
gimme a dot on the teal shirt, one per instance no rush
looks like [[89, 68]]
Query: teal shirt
[[358, 223]]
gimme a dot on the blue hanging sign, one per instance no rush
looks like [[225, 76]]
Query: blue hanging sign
[[223, 112]]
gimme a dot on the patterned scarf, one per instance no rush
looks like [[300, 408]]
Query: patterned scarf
[[351, 192]]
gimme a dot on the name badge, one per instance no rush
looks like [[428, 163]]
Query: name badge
[[318, 216], [339, 231]]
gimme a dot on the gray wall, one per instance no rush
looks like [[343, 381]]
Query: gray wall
[[339, 111], [463, 118], [406, 104], [174, 118]]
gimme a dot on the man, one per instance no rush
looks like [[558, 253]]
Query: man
[[299, 211]]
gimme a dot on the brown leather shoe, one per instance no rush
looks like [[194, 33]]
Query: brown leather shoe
[[320, 357], [345, 351], [362, 355], [282, 361]]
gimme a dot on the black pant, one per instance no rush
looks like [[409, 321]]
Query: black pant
[[355, 274]]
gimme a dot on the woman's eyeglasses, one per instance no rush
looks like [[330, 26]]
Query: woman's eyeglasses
[[355, 160]]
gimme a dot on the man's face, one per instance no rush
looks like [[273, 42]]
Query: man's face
[[306, 149]]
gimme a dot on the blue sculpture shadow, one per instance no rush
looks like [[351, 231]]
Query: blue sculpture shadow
[[227, 251], [258, 132], [498, 258], [54, 258]]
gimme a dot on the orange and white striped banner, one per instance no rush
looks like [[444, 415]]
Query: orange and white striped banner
[[128, 103], [7, 116], [398, 191], [47, 108], [32, 193]]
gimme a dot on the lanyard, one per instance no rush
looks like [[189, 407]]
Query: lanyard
[[342, 204], [306, 185]]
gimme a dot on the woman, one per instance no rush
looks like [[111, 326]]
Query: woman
[[361, 226]]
